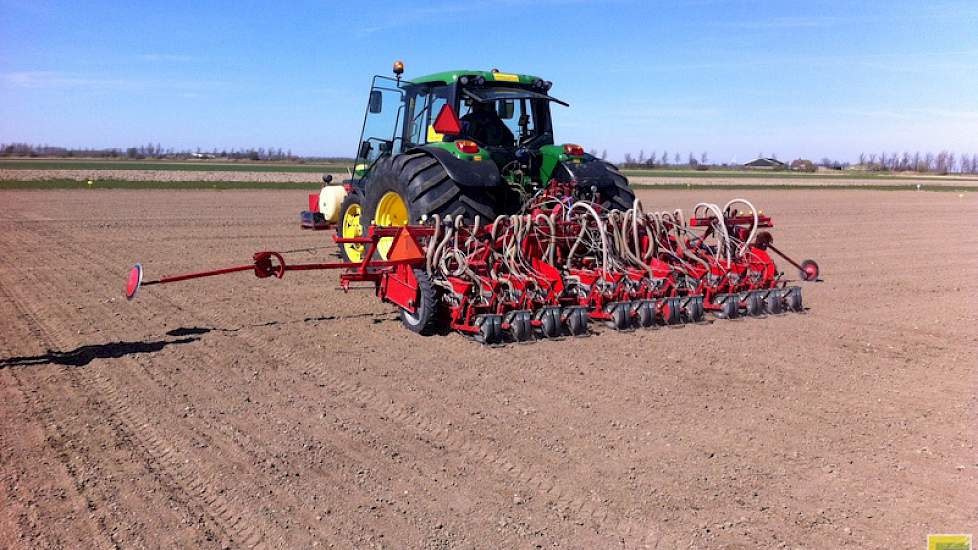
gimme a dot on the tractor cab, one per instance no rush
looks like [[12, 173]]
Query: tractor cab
[[500, 113]]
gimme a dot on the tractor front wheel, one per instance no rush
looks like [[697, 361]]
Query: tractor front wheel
[[351, 226]]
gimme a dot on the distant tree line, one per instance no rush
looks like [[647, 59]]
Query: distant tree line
[[154, 151], [944, 162]]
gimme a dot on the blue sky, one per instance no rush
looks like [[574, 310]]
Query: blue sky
[[733, 79]]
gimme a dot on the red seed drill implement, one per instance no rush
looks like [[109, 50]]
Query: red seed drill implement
[[482, 225]]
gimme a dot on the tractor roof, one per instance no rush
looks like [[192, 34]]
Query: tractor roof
[[452, 76]]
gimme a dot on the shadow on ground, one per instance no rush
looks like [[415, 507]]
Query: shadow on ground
[[376, 318], [84, 355]]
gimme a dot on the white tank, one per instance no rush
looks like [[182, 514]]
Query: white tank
[[330, 199]]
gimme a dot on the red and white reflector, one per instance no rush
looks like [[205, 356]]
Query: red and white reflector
[[135, 279]]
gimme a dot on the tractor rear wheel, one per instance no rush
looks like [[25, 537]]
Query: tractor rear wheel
[[620, 196], [351, 225], [403, 189], [611, 185]]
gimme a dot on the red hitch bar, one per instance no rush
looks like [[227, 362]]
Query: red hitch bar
[[268, 264]]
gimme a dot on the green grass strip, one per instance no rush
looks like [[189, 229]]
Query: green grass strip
[[172, 185], [168, 166]]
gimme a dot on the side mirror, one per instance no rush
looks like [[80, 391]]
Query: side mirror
[[364, 152], [376, 103], [505, 109]]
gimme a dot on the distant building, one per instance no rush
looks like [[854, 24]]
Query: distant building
[[802, 165], [765, 164]]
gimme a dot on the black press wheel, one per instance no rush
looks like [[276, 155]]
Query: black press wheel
[[490, 328], [671, 311], [729, 306], [645, 312], [621, 318], [520, 326], [773, 303], [694, 311], [754, 303], [793, 300], [549, 318], [577, 321]]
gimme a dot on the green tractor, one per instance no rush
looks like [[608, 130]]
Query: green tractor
[[461, 143]]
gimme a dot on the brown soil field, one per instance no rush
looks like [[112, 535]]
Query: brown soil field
[[234, 412]]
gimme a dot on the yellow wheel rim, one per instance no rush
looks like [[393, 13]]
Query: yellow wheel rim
[[391, 212], [351, 229]]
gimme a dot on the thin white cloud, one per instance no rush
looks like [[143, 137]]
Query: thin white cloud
[[55, 79], [40, 80]]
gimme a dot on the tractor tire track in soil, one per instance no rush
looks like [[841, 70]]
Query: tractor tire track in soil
[[168, 461], [97, 535], [569, 505], [313, 416]]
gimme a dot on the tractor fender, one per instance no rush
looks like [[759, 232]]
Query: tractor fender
[[483, 173]]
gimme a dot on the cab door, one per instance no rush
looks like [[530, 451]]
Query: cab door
[[380, 135]]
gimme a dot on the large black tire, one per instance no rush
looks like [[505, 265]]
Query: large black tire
[[426, 189], [620, 196], [424, 319], [613, 190], [351, 200]]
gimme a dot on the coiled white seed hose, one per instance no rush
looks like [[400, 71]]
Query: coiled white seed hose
[[440, 247], [429, 254], [552, 237], [604, 237], [723, 238], [753, 229]]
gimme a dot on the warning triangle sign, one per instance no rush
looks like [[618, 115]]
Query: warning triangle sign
[[405, 248]]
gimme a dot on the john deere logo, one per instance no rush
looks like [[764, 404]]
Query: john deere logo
[[948, 542]]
